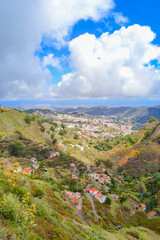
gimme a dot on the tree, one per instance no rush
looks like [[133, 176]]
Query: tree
[[76, 136], [63, 125], [108, 200], [16, 149], [108, 163], [42, 128], [52, 128], [27, 119], [152, 119]]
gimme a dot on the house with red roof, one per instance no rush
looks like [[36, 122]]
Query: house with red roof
[[27, 171], [74, 200], [114, 196], [108, 179], [73, 197], [72, 165], [143, 206], [75, 177], [91, 191], [101, 198], [54, 154], [101, 180]]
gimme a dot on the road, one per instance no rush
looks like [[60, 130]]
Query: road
[[90, 198]]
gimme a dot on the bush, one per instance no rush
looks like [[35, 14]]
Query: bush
[[42, 128], [28, 119], [8, 207], [16, 149], [108, 201], [33, 236], [152, 119], [19, 191], [38, 193], [127, 206]]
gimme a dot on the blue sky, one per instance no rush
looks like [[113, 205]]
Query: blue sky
[[60, 77], [138, 12]]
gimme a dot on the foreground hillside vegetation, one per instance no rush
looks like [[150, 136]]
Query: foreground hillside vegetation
[[40, 171]]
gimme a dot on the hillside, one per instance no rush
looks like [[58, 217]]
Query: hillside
[[138, 115], [12, 123], [140, 153], [52, 190]]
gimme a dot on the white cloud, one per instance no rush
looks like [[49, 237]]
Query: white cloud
[[50, 59], [114, 65], [119, 18], [22, 25]]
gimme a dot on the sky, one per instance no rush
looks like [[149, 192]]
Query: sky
[[88, 52]]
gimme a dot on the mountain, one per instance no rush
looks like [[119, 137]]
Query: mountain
[[138, 115], [138, 154]]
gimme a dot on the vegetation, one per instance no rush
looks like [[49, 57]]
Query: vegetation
[[35, 206]]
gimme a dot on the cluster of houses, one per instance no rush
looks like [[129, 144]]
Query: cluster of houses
[[101, 198], [27, 170], [95, 193], [78, 146], [73, 197], [101, 178]]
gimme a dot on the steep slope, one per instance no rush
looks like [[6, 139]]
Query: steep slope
[[141, 157], [12, 123]]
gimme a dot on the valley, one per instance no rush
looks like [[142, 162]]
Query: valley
[[77, 177]]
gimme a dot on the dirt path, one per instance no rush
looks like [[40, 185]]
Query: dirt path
[[93, 206], [79, 211]]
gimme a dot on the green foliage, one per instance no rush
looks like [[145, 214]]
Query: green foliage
[[108, 163], [28, 119], [76, 136], [52, 128], [8, 208], [147, 134], [33, 236], [108, 200], [16, 149], [127, 206], [63, 132], [19, 191], [152, 119], [38, 193], [75, 228], [42, 128]]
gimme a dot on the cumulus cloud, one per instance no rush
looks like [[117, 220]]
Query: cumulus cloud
[[114, 65], [22, 26], [119, 18], [51, 60]]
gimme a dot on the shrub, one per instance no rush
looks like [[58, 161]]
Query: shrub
[[38, 193], [127, 206], [8, 207], [82, 234], [108, 201], [19, 191], [16, 149], [42, 128], [152, 119], [33, 236], [75, 228], [28, 119]]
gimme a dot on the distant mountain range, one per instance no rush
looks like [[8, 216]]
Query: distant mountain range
[[138, 115]]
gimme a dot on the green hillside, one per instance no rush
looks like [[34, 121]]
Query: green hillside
[[12, 124], [38, 191]]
